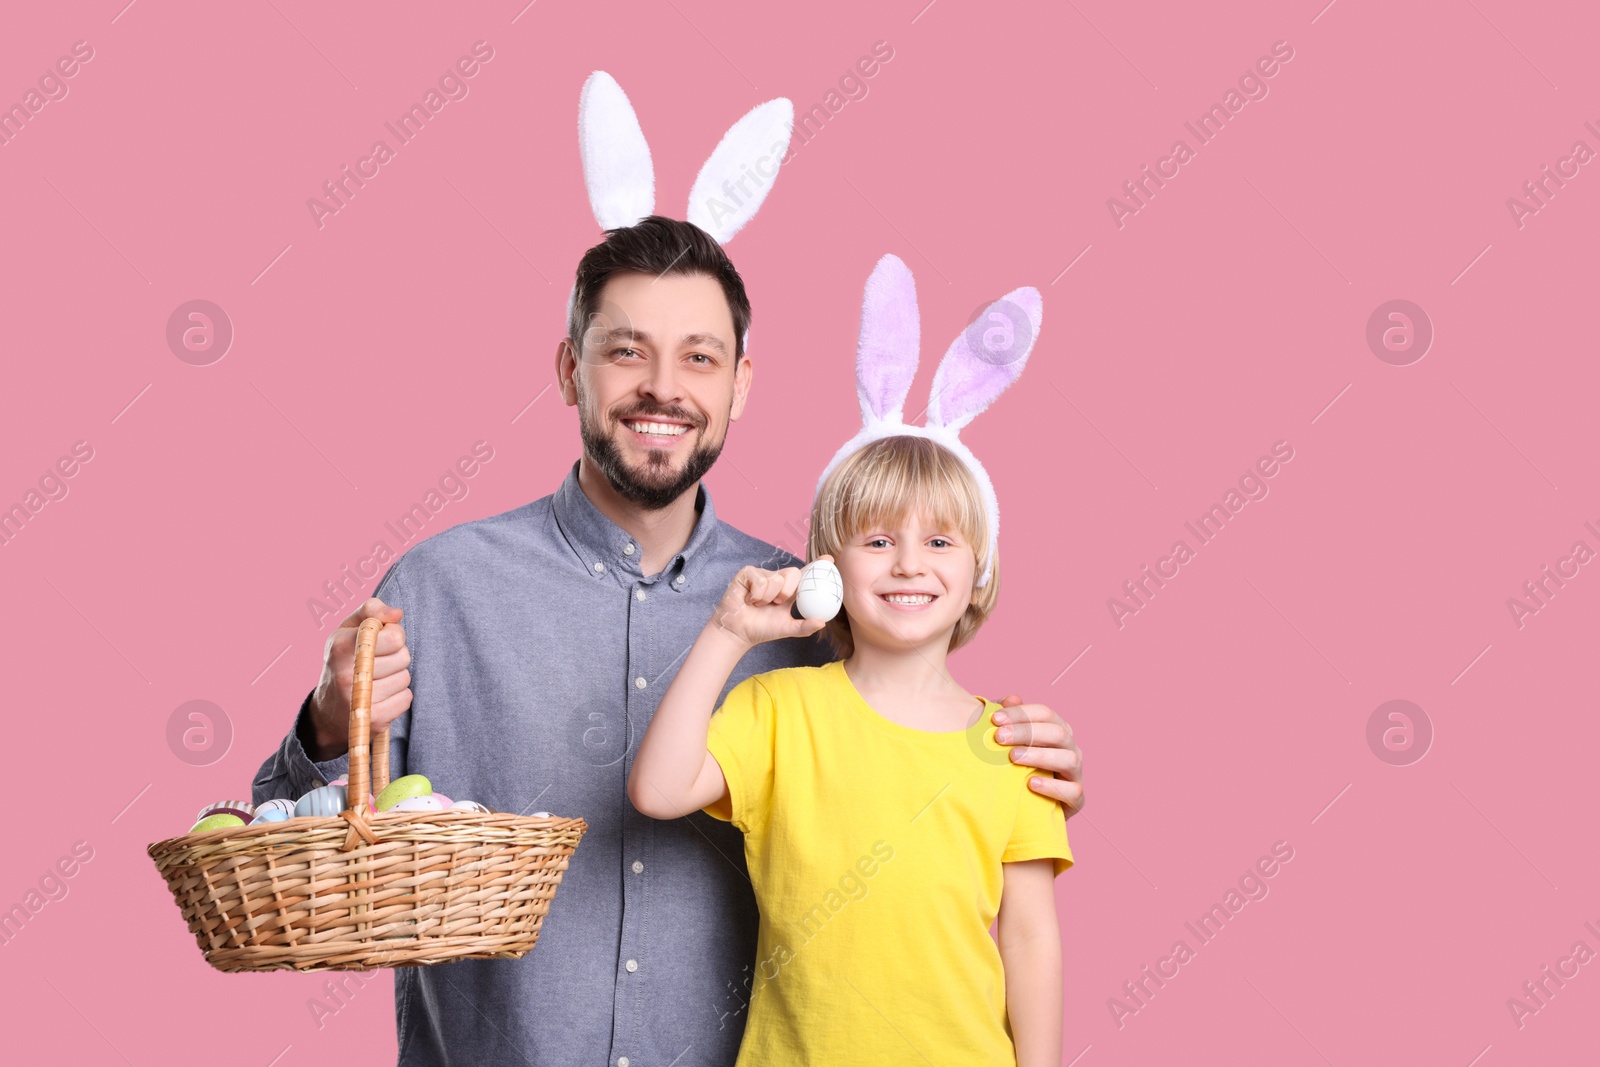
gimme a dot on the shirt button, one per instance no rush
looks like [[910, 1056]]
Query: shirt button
[[678, 580], [639, 682], [622, 1061], [638, 594], [638, 867], [632, 965], [598, 567], [627, 549]]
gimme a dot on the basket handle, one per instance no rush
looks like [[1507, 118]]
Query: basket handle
[[369, 755]]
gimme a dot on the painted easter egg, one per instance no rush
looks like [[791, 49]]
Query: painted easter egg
[[444, 801], [468, 805], [427, 803], [218, 821], [411, 785], [340, 781], [266, 815], [542, 815], [327, 801], [241, 808], [821, 592], [280, 804]]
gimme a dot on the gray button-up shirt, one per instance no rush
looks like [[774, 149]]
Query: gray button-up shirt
[[539, 652]]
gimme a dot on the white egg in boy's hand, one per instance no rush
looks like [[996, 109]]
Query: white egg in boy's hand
[[821, 592]]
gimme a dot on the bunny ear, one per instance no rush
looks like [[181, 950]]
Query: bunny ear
[[616, 159], [891, 337], [985, 359], [741, 170]]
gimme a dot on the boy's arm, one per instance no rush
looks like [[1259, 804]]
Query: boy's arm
[[673, 773], [1030, 950]]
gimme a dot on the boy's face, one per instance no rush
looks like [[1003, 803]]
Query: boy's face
[[656, 386], [906, 584]]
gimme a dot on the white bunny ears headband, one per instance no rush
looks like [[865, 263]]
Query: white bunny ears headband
[[979, 366], [729, 190], [621, 179]]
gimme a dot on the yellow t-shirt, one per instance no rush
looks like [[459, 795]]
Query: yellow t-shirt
[[875, 850]]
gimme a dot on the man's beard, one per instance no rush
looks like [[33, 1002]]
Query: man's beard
[[654, 488]]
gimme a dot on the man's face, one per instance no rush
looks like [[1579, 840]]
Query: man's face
[[655, 383]]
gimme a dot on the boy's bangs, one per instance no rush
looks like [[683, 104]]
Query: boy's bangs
[[898, 476]]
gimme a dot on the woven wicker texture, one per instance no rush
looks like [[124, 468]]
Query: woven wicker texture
[[364, 890]]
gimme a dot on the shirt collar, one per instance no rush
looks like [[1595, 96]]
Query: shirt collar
[[604, 548]]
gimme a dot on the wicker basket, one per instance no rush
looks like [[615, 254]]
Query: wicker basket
[[361, 890]]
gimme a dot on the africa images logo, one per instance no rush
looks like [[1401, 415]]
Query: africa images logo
[[452, 85], [1252, 85]]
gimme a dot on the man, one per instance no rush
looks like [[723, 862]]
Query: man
[[535, 648]]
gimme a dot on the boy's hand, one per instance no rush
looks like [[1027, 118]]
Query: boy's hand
[[756, 606]]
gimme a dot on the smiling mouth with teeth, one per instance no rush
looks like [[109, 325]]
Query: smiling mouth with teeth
[[908, 598], [655, 429]]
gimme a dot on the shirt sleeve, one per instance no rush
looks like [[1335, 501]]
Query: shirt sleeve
[[741, 738], [1040, 831], [290, 772]]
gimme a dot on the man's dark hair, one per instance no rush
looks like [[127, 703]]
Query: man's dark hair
[[656, 245]]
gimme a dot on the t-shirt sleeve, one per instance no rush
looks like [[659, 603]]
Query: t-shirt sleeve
[[740, 738], [1040, 831]]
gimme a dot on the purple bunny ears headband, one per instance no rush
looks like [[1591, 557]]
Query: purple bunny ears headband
[[731, 186], [979, 366]]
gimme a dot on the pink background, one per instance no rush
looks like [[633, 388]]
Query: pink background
[[1228, 314]]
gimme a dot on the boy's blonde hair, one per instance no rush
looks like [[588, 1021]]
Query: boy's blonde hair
[[883, 483]]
